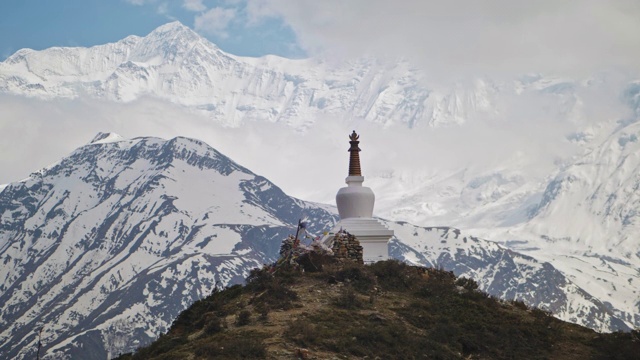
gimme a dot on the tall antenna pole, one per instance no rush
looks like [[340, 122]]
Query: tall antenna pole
[[297, 232]]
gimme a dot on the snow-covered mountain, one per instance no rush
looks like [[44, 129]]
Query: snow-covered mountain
[[600, 190], [505, 274], [587, 222], [104, 248], [176, 64]]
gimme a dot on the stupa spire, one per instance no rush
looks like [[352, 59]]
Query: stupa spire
[[355, 200], [354, 158]]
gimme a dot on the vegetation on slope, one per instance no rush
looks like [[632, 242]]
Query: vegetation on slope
[[387, 310]]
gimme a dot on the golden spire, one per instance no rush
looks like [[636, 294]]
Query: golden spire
[[354, 158]]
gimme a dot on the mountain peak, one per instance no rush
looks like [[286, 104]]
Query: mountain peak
[[173, 29], [18, 56], [175, 42], [172, 26], [106, 137]]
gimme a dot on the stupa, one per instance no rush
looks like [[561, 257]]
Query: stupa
[[355, 207]]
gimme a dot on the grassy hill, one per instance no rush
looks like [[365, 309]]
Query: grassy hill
[[387, 310]]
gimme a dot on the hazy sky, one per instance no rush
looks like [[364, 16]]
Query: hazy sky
[[493, 37]]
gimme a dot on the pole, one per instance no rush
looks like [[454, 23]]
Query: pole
[[297, 232]]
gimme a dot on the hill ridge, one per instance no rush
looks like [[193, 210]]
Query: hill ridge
[[385, 310]]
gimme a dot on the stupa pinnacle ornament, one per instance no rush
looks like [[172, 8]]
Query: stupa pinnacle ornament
[[355, 206], [354, 159]]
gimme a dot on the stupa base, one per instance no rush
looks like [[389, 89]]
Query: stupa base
[[372, 234]]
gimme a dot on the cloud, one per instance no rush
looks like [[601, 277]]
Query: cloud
[[140, 2], [215, 21], [163, 9], [51, 129], [258, 11], [457, 38], [194, 5], [530, 126]]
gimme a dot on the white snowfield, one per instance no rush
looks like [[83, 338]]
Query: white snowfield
[[570, 204]]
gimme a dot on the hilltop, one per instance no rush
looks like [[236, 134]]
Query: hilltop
[[385, 310]]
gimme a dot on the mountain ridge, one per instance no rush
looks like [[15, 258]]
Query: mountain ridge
[[175, 63]]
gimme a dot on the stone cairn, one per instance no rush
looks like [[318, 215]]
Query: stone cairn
[[293, 254], [287, 246], [346, 247]]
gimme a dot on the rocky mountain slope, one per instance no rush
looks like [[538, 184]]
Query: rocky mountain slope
[[509, 275], [387, 310], [104, 248]]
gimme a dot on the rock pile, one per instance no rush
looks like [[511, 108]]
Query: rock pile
[[346, 247], [295, 255], [287, 246]]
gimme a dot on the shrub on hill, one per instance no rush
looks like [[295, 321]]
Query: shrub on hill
[[271, 291]]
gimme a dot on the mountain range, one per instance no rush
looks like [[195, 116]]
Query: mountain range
[[476, 163], [104, 248], [563, 219]]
